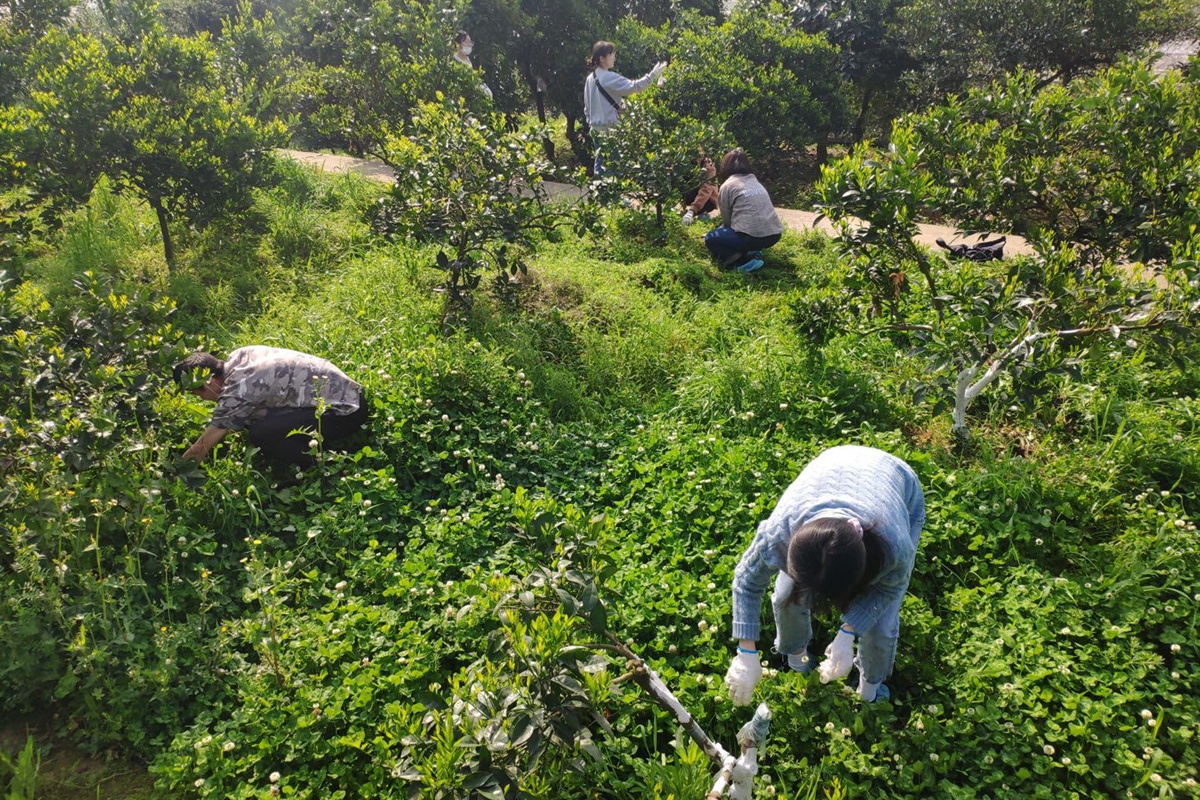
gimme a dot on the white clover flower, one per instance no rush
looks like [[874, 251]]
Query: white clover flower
[[934, 757], [828, 726], [1066, 631], [312, 444], [1146, 713], [1038, 542], [1008, 687], [445, 417], [1175, 675], [782, 406], [1175, 648], [711, 586], [1155, 777], [275, 777], [845, 731], [198, 782], [702, 606], [236, 493], [672, 649], [703, 625], [339, 586], [1048, 749], [366, 503], [708, 554], [227, 747], [1066, 761], [691, 473]]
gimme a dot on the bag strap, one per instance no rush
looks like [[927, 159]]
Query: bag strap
[[607, 96]]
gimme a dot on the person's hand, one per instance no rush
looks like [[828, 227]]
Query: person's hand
[[744, 674], [688, 217], [657, 71], [197, 452], [839, 657]]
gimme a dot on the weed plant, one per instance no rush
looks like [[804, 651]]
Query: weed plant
[[425, 617]]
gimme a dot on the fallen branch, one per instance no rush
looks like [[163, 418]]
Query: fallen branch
[[735, 776]]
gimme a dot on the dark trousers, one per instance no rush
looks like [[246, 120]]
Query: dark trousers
[[730, 248], [270, 434]]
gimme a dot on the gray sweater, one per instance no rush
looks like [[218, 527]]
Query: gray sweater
[[746, 207], [599, 112], [870, 485]]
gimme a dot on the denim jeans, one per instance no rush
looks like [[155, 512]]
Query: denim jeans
[[729, 247], [793, 630]]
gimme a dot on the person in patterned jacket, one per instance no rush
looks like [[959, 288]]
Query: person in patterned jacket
[[270, 392]]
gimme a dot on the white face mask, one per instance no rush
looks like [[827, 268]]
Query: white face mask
[[467, 48]]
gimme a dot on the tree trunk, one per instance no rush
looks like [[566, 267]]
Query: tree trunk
[[822, 149], [860, 122], [165, 230], [579, 144]]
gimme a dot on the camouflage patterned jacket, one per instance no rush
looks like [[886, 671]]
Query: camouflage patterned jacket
[[261, 379]]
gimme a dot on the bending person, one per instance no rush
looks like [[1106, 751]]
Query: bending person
[[749, 223], [703, 199], [604, 92], [846, 531], [270, 392]]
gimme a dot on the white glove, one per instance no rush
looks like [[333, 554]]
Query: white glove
[[688, 217], [657, 71], [744, 674], [839, 657]]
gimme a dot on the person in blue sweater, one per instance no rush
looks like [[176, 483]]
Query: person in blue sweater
[[846, 532]]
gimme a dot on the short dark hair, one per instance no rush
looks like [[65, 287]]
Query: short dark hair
[[601, 50], [735, 162], [827, 558], [461, 37], [199, 360]]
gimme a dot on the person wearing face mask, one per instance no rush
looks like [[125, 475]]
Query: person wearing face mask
[[464, 45], [604, 92]]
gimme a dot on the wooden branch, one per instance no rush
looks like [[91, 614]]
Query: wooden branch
[[648, 679]]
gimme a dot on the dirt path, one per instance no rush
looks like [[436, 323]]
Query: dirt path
[[792, 218]]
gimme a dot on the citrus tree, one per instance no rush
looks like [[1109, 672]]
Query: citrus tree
[[147, 109], [1096, 174], [476, 190]]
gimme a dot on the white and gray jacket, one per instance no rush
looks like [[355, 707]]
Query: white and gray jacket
[[599, 112]]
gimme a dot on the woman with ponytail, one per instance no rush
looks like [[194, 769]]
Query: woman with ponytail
[[844, 533]]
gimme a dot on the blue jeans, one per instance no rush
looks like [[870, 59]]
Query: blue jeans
[[876, 646], [729, 248]]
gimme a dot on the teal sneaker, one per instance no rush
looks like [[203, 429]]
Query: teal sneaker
[[750, 266]]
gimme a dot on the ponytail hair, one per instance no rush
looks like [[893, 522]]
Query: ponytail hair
[[833, 559], [601, 50]]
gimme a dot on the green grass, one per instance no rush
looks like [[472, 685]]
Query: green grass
[[337, 629]]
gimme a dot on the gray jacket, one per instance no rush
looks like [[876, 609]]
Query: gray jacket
[[599, 112], [746, 207]]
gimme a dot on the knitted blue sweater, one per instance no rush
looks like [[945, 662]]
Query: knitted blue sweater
[[849, 481]]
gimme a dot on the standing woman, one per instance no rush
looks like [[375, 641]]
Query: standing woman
[[846, 532], [749, 223], [464, 45], [604, 91]]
